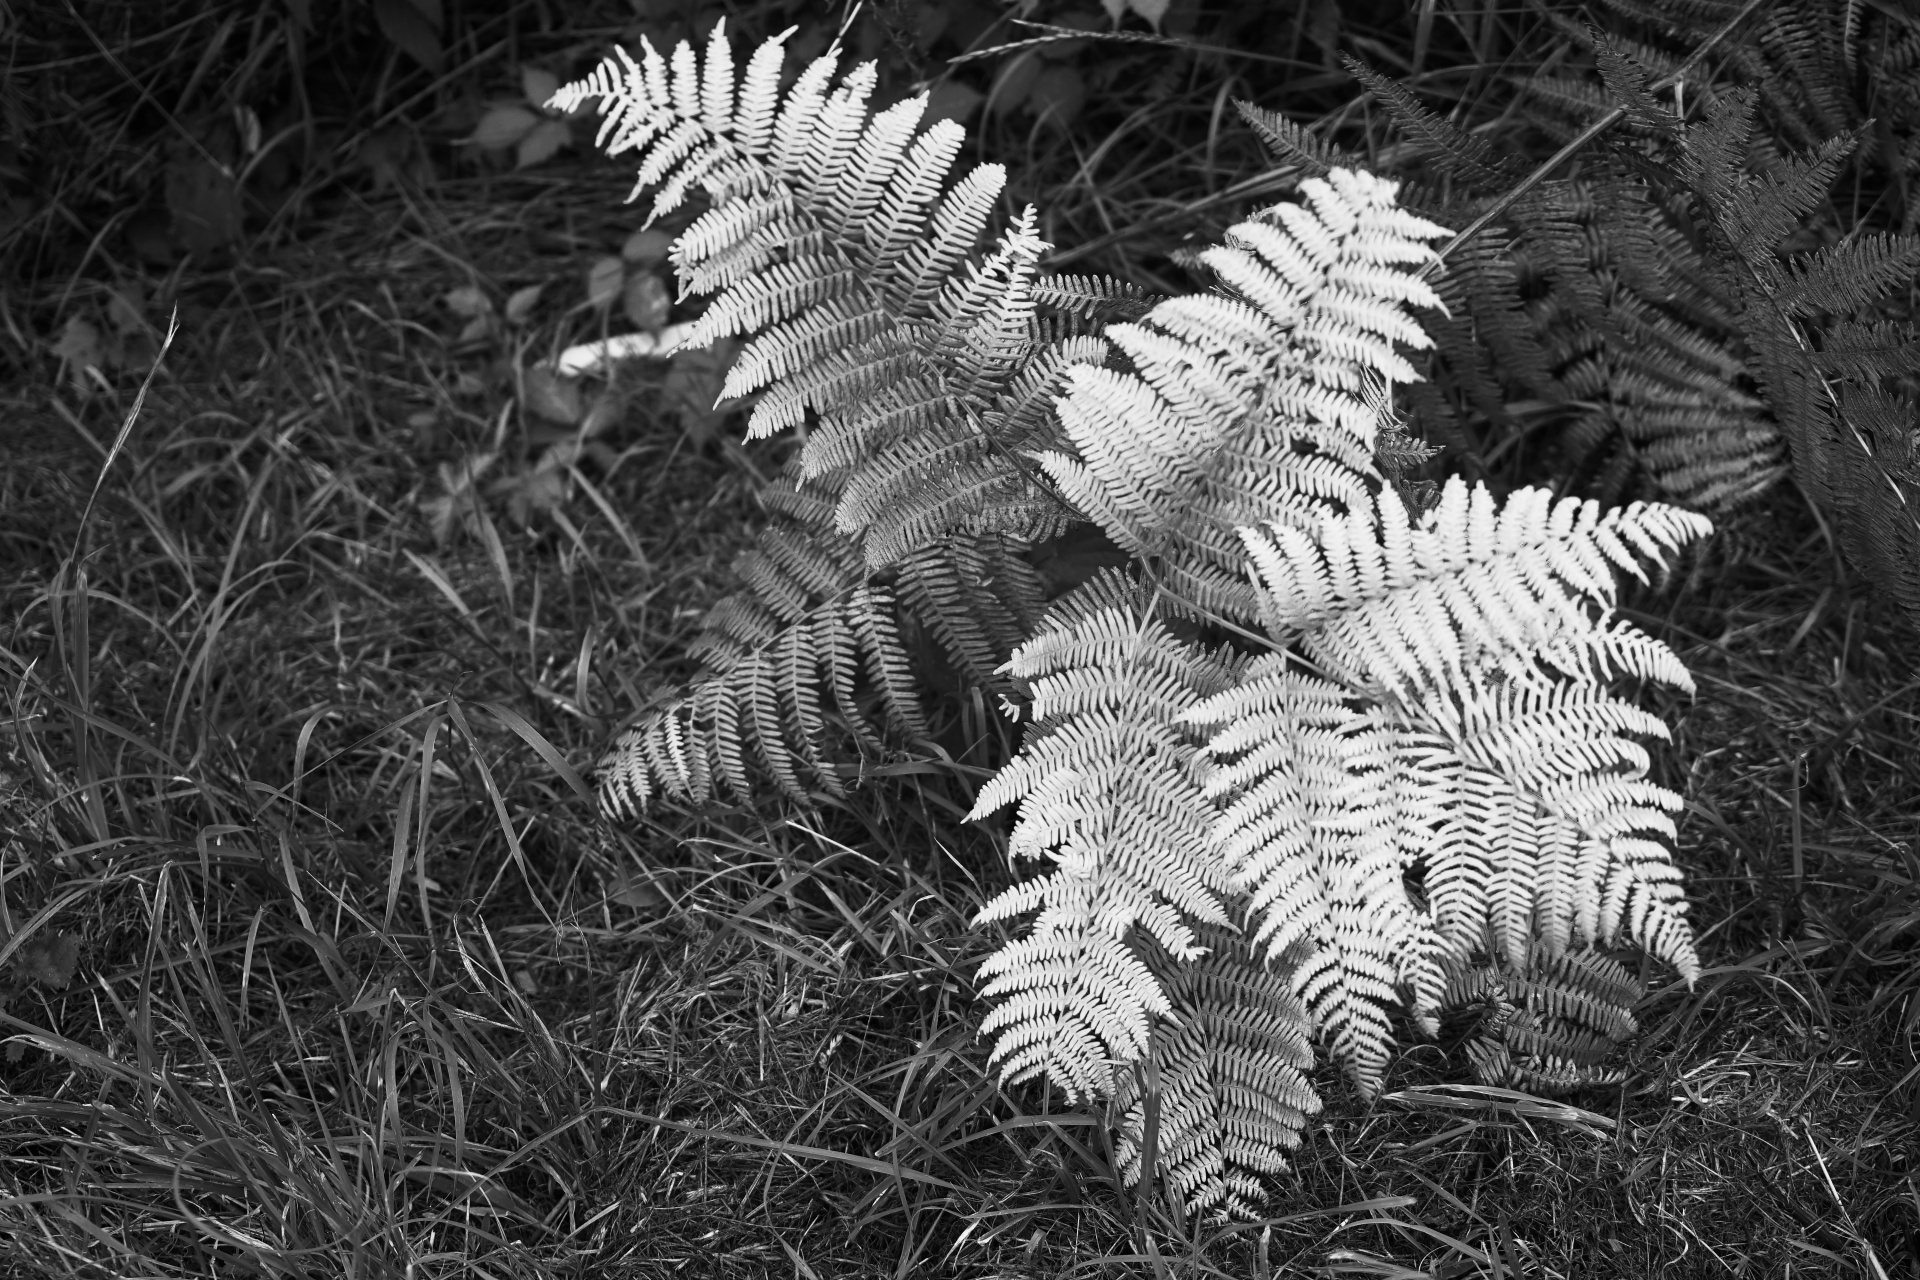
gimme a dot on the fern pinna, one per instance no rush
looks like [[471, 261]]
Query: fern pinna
[[1296, 762]]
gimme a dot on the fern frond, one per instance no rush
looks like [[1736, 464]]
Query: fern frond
[[1484, 750], [1226, 1076], [1550, 1025], [1466, 158], [1256, 402], [1292, 144], [838, 245], [1108, 792], [790, 658], [1848, 435], [1848, 277]]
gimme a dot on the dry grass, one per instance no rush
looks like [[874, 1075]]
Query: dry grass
[[315, 962]]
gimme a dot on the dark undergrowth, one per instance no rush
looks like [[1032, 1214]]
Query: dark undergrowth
[[317, 960]]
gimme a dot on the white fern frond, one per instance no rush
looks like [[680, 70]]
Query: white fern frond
[[1108, 793], [839, 247], [1492, 755], [1258, 403]]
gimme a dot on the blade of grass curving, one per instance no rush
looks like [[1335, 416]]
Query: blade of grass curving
[[397, 863], [538, 741], [516, 857]]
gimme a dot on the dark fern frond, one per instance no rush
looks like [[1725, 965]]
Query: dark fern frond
[[1296, 145], [1848, 433], [1611, 333], [980, 598], [790, 659], [1551, 1025], [1465, 157], [1759, 213], [1626, 80], [1578, 100], [1848, 277], [1868, 351]]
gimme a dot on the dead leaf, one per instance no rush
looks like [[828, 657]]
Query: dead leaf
[[646, 891], [127, 308], [693, 384], [456, 504], [468, 301], [607, 408], [538, 84], [537, 490], [203, 202], [395, 158], [1013, 82], [647, 302], [414, 28], [1057, 96], [50, 961], [952, 100], [542, 143], [504, 124], [645, 247], [550, 396], [79, 348], [604, 279], [520, 303], [147, 237]]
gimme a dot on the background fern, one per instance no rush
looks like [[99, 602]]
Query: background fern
[[1631, 328]]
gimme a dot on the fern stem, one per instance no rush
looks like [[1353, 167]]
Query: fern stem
[[1592, 131]]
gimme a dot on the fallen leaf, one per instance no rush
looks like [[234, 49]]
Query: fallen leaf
[[645, 247], [647, 302], [1013, 82], [50, 962], [204, 203], [79, 348], [414, 28], [550, 396], [952, 100], [468, 301], [537, 490], [1057, 96], [538, 84], [503, 125], [456, 502], [604, 279], [127, 308], [542, 143], [520, 303]]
